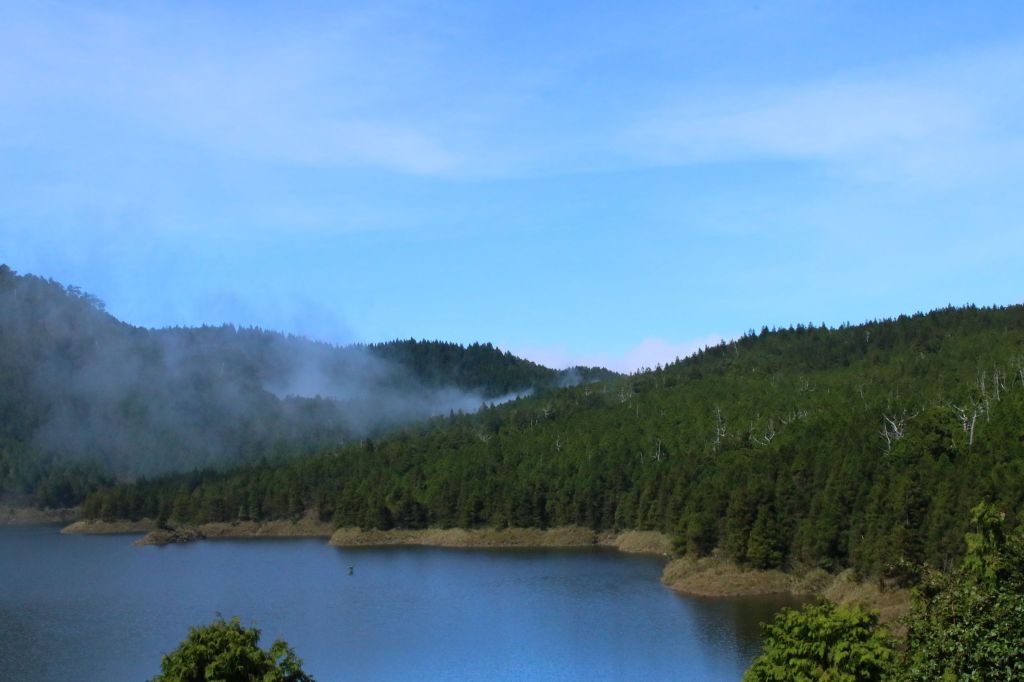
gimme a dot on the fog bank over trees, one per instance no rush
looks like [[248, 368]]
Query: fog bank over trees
[[78, 385]]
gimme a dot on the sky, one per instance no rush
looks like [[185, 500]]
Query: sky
[[577, 182]]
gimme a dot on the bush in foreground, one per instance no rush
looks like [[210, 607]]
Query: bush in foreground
[[226, 652], [968, 625], [823, 642]]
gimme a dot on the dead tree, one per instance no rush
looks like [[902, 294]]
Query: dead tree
[[720, 431], [766, 437], [658, 453], [894, 428], [983, 389], [968, 417]]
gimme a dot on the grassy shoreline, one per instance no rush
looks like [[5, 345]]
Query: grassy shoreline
[[303, 528], [11, 515], [715, 577], [637, 542], [705, 577]]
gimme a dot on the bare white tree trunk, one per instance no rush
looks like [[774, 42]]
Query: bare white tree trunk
[[894, 428], [968, 418], [720, 431]]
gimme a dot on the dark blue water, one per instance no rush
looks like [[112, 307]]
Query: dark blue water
[[97, 608]]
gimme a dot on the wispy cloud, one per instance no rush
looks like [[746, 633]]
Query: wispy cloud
[[936, 121], [308, 95], [420, 91]]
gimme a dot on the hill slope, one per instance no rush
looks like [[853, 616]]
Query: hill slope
[[859, 446], [81, 390]]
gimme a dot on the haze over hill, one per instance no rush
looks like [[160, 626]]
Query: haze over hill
[[78, 385], [862, 446]]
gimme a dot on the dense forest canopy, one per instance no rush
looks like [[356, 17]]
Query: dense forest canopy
[[84, 396], [863, 445]]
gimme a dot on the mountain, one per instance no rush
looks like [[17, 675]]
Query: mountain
[[861, 446], [80, 389]]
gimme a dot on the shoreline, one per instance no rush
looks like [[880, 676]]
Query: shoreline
[[564, 537], [707, 577], [306, 527], [12, 515], [634, 542], [714, 577]]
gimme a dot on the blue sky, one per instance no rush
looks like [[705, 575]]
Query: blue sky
[[577, 182]]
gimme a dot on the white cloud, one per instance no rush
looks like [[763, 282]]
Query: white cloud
[[648, 353], [398, 88], [943, 120], [408, 89], [314, 95]]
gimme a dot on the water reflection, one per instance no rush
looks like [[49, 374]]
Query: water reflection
[[75, 607]]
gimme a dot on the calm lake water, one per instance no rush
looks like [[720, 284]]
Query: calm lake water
[[96, 608]]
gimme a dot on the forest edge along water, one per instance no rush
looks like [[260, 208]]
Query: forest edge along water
[[705, 577]]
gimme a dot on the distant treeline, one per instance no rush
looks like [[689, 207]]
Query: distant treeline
[[861, 446], [480, 365], [85, 398]]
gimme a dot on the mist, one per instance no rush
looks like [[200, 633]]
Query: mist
[[80, 385]]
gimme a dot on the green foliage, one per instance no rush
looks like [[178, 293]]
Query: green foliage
[[968, 624], [85, 397], [226, 652], [765, 547], [863, 446], [479, 366], [29, 477], [965, 625], [985, 560], [823, 643]]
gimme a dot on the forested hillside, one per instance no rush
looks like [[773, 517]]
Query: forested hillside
[[482, 366], [85, 397], [860, 446]]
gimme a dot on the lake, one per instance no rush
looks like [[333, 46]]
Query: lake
[[97, 608]]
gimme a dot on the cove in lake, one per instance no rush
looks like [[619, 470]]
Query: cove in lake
[[97, 608]]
